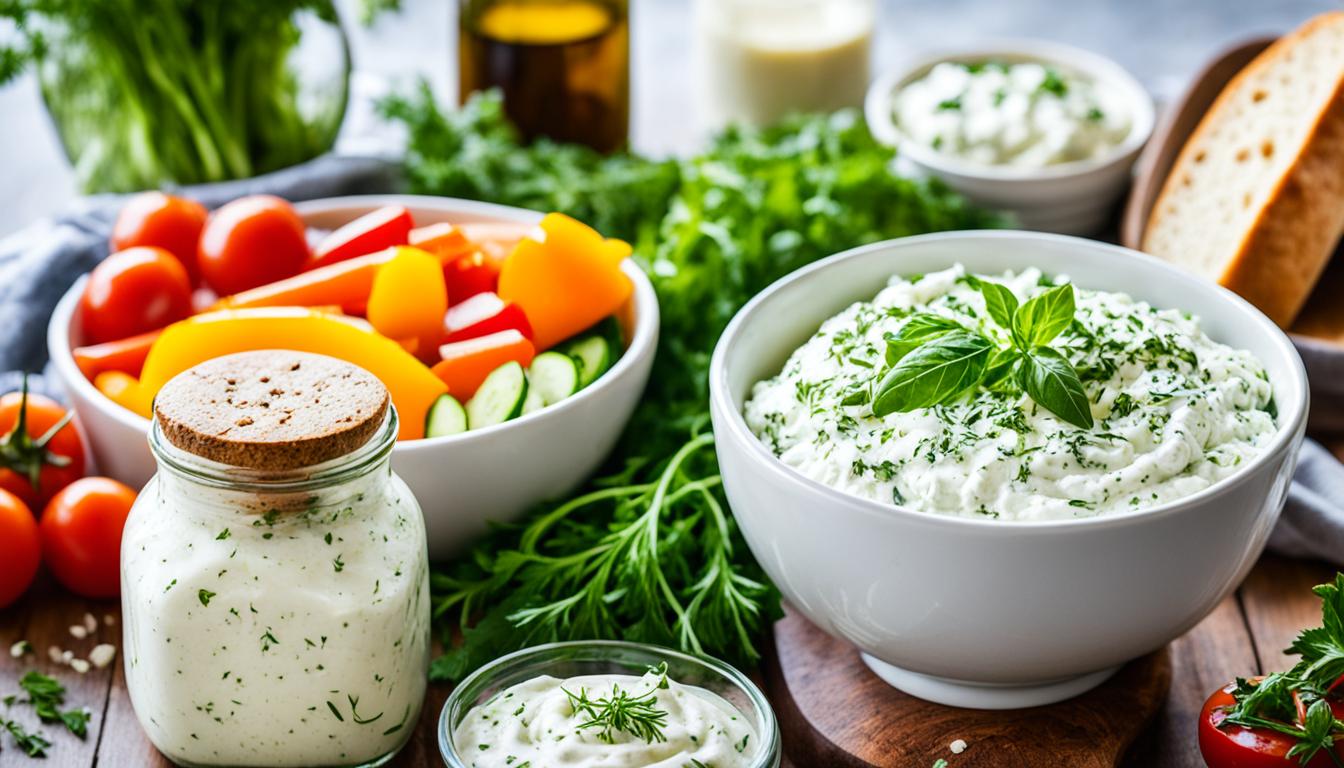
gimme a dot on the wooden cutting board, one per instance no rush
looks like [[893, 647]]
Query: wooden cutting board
[[834, 712]]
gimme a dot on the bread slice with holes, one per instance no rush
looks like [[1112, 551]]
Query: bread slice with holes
[[1255, 200]]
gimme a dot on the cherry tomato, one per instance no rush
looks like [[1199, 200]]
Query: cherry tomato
[[469, 275], [1236, 747], [374, 231], [250, 242], [20, 548], [164, 221], [134, 291], [81, 535], [39, 444]]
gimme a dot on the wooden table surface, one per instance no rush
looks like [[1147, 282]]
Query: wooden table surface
[[1245, 635]]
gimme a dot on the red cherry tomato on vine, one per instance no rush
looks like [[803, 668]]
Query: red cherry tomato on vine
[[20, 549], [1232, 746], [81, 535], [132, 292], [164, 221], [41, 452], [250, 242]]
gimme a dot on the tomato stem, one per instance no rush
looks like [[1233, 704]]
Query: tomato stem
[[25, 456]]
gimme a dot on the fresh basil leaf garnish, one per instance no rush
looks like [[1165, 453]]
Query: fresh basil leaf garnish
[[1000, 302], [1050, 380], [919, 329], [935, 372], [1000, 366], [1044, 317]]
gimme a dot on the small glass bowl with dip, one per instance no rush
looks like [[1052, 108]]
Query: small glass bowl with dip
[[1045, 132], [540, 704]]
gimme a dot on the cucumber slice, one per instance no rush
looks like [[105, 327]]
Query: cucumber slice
[[533, 401], [446, 417], [593, 354], [555, 375], [500, 397]]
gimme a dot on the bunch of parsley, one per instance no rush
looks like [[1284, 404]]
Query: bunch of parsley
[[1294, 702], [649, 551]]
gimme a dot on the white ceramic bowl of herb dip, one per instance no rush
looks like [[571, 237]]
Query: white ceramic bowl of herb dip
[[602, 702], [969, 609], [1044, 131]]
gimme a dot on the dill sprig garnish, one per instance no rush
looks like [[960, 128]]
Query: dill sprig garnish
[[622, 712]]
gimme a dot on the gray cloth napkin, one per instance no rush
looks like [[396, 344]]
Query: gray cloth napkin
[[38, 264]]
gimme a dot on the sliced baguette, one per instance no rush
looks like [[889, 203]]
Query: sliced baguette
[[1255, 200]]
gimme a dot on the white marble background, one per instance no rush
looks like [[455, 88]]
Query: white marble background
[[1162, 42]]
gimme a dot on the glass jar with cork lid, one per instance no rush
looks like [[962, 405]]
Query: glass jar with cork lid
[[275, 589]]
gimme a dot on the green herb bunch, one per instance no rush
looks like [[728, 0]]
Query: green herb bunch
[[148, 92], [933, 359], [649, 550], [1295, 702]]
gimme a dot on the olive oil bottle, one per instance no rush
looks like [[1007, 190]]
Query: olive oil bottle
[[563, 65]]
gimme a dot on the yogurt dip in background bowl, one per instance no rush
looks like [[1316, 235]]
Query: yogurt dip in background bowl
[[1033, 151], [997, 613]]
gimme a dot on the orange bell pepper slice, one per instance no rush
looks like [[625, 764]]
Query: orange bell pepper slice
[[566, 283], [444, 240], [409, 299], [194, 340], [122, 388], [496, 239], [123, 355], [465, 364]]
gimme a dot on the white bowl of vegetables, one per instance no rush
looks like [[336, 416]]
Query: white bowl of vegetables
[[532, 430]]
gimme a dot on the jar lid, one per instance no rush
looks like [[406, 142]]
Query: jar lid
[[271, 409]]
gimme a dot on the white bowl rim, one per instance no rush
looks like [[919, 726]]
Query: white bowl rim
[[643, 336], [1290, 426], [877, 107]]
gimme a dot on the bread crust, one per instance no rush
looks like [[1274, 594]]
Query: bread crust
[[1284, 251]]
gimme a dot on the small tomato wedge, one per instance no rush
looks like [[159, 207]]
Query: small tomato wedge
[[134, 291], [124, 355], [20, 548], [566, 282], [409, 299], [81, 535], [465, 364], [41, 452], [252, 241], [443, 240], [374, 231], [1234, 746], [482, 315], [163, 221], [469, 275]]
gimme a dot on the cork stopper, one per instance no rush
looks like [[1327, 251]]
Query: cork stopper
[[271, 409]]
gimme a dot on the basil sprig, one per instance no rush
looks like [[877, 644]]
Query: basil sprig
[[933, 359]]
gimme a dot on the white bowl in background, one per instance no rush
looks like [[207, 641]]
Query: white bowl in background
[[1074, 198], [992, 613], [463, 481]]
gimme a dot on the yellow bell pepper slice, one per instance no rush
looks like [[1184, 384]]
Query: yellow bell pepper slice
[[566, 283], [186, 343], [409, 298]]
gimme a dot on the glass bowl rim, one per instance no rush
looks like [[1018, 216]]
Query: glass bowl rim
[[767, 755]]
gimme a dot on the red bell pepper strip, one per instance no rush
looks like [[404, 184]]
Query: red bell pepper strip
[[123, 355], [374, 231], [482, 315]]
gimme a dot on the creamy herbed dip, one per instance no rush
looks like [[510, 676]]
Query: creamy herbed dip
[[547, 722], [1025, 114], [1174, 411]]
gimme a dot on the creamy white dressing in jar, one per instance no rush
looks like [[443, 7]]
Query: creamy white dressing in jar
[[547, 722], [1024, 114], [276, 617]]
